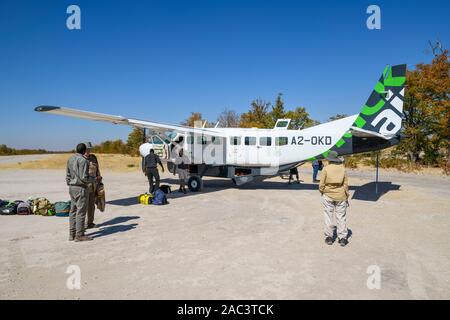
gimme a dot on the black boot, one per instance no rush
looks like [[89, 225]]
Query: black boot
[[343, 242]]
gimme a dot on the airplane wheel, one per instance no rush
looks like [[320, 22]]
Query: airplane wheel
[[195, 184]]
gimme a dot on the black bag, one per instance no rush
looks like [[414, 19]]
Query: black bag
[[320, 165], [10, 208], [166, 189]]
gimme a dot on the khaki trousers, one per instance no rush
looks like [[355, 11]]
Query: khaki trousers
[[91, 207], [335, 215]]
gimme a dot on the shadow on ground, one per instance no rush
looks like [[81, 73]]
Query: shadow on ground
[[116, 221], [114, 226], [103, 232], [366, 192]]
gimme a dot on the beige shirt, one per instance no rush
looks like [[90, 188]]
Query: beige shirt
[[334, 182]]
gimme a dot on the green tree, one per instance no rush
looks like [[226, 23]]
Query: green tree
[[300, 119], [427, 112], [193, 119], [135, 140], [277, 112], [337, 117], [258, 116]]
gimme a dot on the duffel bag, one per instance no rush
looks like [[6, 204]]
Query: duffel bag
[[160, 198], [10, 208], [24, 209], [62, 209], [145, 199], [166, 189]]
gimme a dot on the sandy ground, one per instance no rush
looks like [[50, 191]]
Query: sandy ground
[[4, 160], [263, 241]]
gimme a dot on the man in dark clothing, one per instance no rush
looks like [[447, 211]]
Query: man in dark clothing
[[294, 172], [150, 168]]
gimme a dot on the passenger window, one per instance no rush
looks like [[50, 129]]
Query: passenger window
[[281, 141], [202, 140], [235, 141], [216, 140], [250, 141], [190, 140], [265, 141]]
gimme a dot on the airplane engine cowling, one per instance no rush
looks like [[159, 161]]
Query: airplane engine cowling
[[145, 149]]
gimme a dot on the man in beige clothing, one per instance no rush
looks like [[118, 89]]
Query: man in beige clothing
[[334, 189]]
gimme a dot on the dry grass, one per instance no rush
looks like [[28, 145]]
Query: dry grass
[[108, 162]]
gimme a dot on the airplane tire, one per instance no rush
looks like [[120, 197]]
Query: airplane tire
[[195, 184]]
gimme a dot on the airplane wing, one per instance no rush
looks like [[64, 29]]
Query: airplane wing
[[126, 121]]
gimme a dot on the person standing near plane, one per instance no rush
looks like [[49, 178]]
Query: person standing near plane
[[94, 174], [316, 169], [181, 167], [150, 168], [294, 172], [334, 189], [77, 178]]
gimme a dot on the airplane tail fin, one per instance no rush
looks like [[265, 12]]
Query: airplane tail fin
[[383, 111]]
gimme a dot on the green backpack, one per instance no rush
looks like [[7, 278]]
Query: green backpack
[[43, 207]]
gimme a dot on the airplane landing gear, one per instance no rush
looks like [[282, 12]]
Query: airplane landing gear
[[195, 184]]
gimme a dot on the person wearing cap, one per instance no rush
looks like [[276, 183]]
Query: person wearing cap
[[334, 189], [94, 174], [78, 180], [150, 169]]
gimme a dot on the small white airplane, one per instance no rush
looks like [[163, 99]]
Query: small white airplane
[[243, 154]]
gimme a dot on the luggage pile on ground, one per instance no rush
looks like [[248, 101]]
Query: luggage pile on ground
[[158, 198], [34, 206]]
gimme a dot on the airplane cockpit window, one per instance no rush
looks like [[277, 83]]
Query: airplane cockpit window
[[265, 141], [281, 141], [250, 141], [157, 140], [282, 124], [235, 141]]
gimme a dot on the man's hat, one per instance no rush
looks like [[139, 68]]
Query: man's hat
[[88, 145], [333, 156]]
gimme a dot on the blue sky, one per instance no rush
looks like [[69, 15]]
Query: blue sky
[[161, 60]]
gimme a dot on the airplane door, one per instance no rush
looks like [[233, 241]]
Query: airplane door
[[234, 150], [250, 151], [161, 148], [265, 151]]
